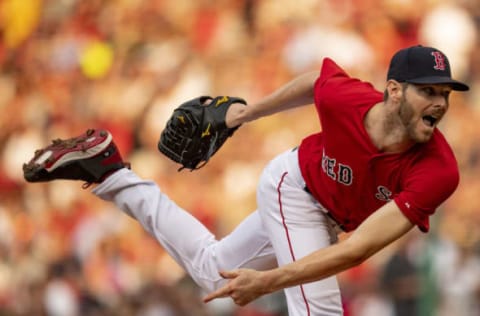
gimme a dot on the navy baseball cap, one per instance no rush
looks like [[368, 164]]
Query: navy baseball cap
[[423, 65]]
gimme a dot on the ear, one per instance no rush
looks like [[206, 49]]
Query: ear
[[395, 91]]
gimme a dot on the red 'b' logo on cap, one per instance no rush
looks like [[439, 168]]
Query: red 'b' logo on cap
[[439, 61]]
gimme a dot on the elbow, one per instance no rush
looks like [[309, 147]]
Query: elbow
[[357, 259], [355, 253]]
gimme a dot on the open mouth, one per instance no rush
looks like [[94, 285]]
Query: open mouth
[[429, 120]]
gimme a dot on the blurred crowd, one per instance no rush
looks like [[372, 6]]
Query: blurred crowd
[[124, 65]]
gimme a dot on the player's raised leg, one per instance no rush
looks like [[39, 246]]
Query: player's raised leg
[[94, 158], [187, 240]]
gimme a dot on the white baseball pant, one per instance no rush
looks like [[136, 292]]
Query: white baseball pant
[[289, 224]]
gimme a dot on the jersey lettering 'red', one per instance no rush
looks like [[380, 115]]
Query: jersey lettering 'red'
[[337, 171]]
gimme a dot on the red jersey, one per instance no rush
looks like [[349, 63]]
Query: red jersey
[[348, 175]]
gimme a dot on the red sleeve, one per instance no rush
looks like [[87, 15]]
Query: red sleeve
[[430, 182]]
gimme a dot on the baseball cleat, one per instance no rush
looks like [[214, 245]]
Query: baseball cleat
[[89, 157]]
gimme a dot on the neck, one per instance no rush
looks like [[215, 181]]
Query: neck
[[386, 130]]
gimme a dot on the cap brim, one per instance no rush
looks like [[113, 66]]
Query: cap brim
[[456, 85]]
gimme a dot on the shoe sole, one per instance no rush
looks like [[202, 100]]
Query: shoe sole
[[62, 152]]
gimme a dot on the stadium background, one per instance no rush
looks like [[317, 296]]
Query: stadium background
[[68, 65]]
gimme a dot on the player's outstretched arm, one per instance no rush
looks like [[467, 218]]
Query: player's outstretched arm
[[297, 92], [380, 229]]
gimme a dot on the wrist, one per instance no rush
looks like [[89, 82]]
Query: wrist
[[270, 280], [236, 115]]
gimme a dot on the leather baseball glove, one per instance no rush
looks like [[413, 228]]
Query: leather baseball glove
[[196, 130]]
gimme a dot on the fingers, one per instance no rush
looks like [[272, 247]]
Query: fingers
[[221, 292], [224, 291], [229, 274], [207, 102]]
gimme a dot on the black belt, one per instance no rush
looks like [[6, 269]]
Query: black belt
[[306, 189]]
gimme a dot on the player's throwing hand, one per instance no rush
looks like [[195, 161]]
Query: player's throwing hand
[[244, 286]]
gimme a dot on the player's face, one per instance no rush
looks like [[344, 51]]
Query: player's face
[[421, 109]]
